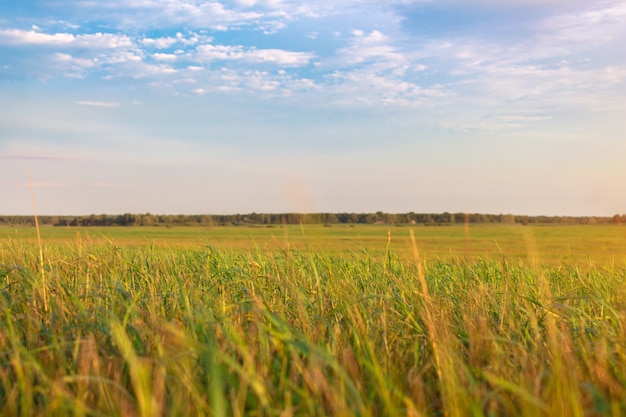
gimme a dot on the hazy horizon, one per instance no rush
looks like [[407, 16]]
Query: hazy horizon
[[276, 106], [308, 213]]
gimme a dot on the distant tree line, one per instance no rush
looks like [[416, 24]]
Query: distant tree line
[[427, 219]]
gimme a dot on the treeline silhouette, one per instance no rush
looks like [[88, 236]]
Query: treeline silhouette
[[269, 219]]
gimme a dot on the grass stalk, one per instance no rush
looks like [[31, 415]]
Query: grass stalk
[[40, 244]]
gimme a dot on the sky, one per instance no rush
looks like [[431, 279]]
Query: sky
[[240, 106]]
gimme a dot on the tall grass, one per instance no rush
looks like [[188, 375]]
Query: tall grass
[[213, 332]]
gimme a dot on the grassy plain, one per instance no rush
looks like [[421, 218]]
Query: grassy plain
[[314, 321], [551, 244]]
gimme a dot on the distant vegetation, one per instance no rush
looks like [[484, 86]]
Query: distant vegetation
[[428, 219]]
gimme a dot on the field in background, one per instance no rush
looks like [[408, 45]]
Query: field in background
[[551, 244], [314, 321]]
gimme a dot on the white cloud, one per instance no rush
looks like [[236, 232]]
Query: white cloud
[[366, 87], [252, 55], [159, 43], [596, 27], [151, 70], [31, 37], [70, 66], [279, 57], [167, 13], [219, 52], [372, 48], [20, 37], [372, 70], [598, 16], [76, 63], [179, 39], [242, 80], [260, 80], [246, 3], [165, 57]]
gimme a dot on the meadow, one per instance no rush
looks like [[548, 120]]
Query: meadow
[[485, 320]]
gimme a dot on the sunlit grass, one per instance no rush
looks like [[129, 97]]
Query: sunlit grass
[[551, 244], [307, 328]]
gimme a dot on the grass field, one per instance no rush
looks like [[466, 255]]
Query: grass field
[[552, 244], [314, 321]]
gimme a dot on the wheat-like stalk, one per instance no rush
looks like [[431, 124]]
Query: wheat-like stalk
[[41, 263]]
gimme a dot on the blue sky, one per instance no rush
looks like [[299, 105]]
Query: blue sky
[[186, 106]]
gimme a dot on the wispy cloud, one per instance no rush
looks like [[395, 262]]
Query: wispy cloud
[[96, 40], [279, 57], [99, 103], [596, 18], [180, 39], [167, 13], [371, 48]]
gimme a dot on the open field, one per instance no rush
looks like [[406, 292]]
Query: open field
[[552, 244], [314, 321]]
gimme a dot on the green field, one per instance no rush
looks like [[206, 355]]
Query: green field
[[490, 320], [551, 244]]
